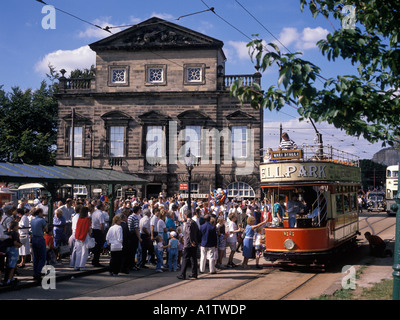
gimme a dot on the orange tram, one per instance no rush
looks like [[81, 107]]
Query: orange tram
[[323, 183]]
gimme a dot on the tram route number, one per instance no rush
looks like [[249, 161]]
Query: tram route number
[[288, 233]]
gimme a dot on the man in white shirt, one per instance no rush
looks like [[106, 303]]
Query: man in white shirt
[[98, 224], [145, 235], [44, 206], [68, 211]]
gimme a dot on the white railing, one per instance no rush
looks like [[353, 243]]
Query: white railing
[[322, 153]]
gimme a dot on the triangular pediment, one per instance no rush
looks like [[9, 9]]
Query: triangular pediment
[[153, 117], [156, 33], [240, 116]]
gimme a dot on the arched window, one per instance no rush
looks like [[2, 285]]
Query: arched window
[[240, 189]]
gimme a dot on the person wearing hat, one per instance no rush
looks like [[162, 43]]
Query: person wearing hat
[[287, 143], [173, 251]]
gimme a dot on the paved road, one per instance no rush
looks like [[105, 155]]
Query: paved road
[[228, 284]]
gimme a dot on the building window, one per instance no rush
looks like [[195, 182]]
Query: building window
[[239, 142], [118, 75], [78, 142], [192, 140], [240, 190], [117, 141], [194, 74], [156, 74], [155, 144]]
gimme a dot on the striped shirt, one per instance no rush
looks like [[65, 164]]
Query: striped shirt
[[133, 222], [287, 145]]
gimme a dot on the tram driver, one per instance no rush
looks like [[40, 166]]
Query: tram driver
[[294, 207]]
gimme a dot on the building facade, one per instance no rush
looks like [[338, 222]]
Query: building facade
[[159, 91]]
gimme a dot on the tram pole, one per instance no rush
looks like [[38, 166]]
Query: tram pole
[[396, 265]]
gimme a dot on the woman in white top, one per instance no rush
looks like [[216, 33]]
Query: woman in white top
[[24, 225], [232, 238], [114, 239]]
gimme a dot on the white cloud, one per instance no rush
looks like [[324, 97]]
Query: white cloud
[[69, 60], [288, 36], [239, 49], [303, 40], [311, 36]]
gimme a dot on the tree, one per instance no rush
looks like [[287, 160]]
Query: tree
[[366, 104], [28, 125]]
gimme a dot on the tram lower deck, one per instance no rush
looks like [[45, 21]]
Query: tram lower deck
[[319, 209]]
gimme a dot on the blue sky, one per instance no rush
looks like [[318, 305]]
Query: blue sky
[[26, 47]]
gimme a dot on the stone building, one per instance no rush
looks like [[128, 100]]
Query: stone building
[[160, 89]]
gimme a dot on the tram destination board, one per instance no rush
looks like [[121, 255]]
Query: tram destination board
[[286, 154], [308, 171]]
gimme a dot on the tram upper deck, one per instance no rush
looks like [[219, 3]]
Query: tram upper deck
[[309, 164]]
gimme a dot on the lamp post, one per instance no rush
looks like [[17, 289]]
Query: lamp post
[[189, 167]]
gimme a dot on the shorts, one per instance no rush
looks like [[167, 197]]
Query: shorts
[[12, 257]]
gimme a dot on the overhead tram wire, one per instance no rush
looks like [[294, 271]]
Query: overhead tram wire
[[76, 17], [107, 28], [154, 23]]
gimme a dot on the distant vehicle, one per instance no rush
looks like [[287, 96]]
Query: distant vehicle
[[392, 175], [376, 201]]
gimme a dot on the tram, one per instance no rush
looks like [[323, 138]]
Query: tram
[[392, 176], [326, 181]]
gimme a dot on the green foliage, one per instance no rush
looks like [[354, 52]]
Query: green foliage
[[366, 104], [28, 122]]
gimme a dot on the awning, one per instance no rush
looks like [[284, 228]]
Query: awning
[[29, 173]]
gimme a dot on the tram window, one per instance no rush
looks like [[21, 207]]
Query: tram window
[[346, 202], [339, 204], [353, 201]]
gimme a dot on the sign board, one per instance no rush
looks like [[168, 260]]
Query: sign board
[[308, 171], [286, 154], [183, 186], [195, 195], [130, 192]]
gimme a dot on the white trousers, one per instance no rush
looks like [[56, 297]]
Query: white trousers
[[81, 253], [207, 253]]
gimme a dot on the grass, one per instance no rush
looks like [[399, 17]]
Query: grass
[[380, 291]]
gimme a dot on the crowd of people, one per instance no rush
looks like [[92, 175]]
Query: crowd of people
[[160, 231]]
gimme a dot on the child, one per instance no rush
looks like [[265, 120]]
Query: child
[[159, 249], [258, 244], [173, 251], [51, 250], [12, 252]]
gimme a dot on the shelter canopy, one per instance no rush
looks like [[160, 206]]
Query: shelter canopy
[[29, 173]]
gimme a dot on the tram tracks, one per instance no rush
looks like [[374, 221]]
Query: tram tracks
[[316, 275], [238, 283]]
